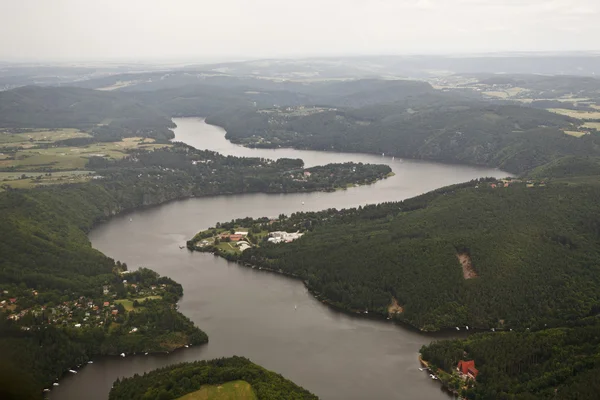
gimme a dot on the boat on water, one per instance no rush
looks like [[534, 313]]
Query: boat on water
[[90, 362], [295, 307], [182, 247], [55, 384], [130, 219], [122, 354], [457, 328], [72, 371]]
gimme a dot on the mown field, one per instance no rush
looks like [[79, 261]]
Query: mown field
[[235, 390], [576, 113]]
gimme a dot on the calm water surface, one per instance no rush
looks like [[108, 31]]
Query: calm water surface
[[251, 313]]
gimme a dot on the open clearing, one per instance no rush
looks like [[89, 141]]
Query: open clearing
[[576, 133], [32, 179], [467, 266], [504, 94], [576, 113], [395, 307], [39, 136], [235, 390], [593, 125], [69, 158]]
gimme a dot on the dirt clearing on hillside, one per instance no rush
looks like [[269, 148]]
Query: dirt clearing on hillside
[[467, 266]]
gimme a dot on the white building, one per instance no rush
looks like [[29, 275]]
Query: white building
[[284, 237]]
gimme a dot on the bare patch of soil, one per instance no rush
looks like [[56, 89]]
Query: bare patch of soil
[[395, 308], [467, 266]]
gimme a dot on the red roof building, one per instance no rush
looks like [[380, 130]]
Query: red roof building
[[467, 368], [106, 304], [235, 238]]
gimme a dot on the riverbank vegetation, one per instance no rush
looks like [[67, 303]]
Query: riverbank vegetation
[[179, 381]]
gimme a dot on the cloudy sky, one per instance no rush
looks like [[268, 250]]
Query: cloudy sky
[[213, 29]]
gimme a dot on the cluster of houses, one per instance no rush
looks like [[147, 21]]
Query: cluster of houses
[[82, 312], [504, 183]]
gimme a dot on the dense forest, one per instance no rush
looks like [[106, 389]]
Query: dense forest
[[484, 254], [177, 380], [558, 363], [439, 127]]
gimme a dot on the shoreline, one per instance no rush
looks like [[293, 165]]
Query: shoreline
[[318, 296]]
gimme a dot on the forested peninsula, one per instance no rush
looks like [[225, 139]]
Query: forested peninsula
[[511, 254], [236, 376]]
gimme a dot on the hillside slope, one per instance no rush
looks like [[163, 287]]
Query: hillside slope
[[530, 256], [438, 127]]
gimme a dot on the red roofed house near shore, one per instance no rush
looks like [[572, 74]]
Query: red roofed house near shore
[[467, 368]]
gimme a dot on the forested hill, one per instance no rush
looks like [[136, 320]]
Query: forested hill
[[437, 126], [176, 381], [479, 254], [107, 115], [559, 363]]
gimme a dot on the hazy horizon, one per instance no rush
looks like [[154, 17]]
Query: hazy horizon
[[233, 30]]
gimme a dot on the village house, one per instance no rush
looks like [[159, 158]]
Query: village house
[[467, 369]]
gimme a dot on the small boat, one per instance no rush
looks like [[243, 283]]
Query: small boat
[[186, 346], [467, 327], [145, 354], [420, 369], [302, 203], [55, 384], [72, 371], [182, 247], [130, 219], [46, 390], [122, 354], [382, 154], [90, 362], [295, 307], [493, 330], [457, 328], [393, 158]]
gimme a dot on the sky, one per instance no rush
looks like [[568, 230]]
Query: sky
[[138, 30]]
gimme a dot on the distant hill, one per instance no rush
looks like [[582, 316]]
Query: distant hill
[[102, 113], [566, 167], [437, 126], [178, 380]]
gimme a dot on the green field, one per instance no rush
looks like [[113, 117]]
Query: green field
[[65, 158], [39, 178], [234, 390], [575, 133], [128, 303], [593, 125], [576, 113], [39, 136]]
